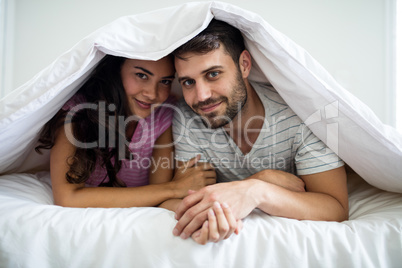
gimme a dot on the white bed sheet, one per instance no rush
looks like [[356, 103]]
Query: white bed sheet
[[36, 233]]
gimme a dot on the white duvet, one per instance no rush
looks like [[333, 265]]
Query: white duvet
[[34, 233], [342, 121]]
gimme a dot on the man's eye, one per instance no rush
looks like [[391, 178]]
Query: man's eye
[[188, 82], [141, 75], [213, 74]]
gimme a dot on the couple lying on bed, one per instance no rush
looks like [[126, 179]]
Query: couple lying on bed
[[124, 130]]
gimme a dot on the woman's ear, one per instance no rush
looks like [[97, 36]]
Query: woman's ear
[[245, 63]]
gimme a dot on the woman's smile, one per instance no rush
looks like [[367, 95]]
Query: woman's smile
[[143, 105]]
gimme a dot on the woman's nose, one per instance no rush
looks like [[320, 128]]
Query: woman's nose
[[151, 91]]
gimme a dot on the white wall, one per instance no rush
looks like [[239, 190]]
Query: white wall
[[348, 37], [6, 45], [399, 66]]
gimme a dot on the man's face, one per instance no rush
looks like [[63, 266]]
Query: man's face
[[212, 85]]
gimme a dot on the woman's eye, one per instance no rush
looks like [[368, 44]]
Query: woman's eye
[[141, 75], [167, 82]]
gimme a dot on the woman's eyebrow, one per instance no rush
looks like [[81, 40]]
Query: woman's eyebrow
[[150, 73], [144, 70]]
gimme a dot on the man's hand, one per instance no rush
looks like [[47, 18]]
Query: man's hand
[[220, 225], [240, 197], [193, 211]]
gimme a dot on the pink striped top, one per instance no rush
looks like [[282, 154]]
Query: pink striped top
[[135, 171]]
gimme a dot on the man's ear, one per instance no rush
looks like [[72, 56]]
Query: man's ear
[[245, 63]]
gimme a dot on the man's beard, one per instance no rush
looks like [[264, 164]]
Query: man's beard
[[238, 99]]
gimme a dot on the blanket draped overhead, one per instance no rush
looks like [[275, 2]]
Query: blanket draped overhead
[[345, 124]]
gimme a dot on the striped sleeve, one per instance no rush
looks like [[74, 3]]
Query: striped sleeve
[[312, 155]]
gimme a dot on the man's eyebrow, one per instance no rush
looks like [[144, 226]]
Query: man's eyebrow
[[212, 68], [183, 78], [203, 72]]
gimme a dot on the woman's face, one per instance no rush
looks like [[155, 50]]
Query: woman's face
[[147, 83]]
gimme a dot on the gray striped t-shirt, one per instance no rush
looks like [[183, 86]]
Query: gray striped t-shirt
[[284, 143]]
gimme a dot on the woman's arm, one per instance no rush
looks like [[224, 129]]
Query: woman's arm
[[187, 176], [77, 195], [162, 168], [162, 164]]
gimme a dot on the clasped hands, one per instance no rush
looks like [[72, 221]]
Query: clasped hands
[[209, 215], [215, 212]]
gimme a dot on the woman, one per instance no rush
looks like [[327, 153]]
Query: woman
[[124, 112]]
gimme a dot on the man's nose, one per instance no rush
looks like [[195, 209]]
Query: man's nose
[[203, 91]]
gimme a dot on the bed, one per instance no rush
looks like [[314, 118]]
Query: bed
[[36, 233]]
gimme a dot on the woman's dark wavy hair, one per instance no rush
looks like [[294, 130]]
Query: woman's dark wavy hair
[[216, 34], [104, 85]]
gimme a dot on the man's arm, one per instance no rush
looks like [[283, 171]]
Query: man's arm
[[280, 178], [326, 199]]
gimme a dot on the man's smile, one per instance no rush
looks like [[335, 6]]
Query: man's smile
[[211, 107]]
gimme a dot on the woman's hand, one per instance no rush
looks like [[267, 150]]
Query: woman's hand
[[220, 225], [192, 176]]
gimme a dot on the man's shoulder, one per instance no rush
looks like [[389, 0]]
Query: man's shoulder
[[182, 105], [183, 109], [185, 115], [268, 93], [274, 104]]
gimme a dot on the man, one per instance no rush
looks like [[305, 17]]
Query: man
[[259, 147]]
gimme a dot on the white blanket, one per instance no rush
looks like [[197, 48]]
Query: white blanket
[[349, 128]]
